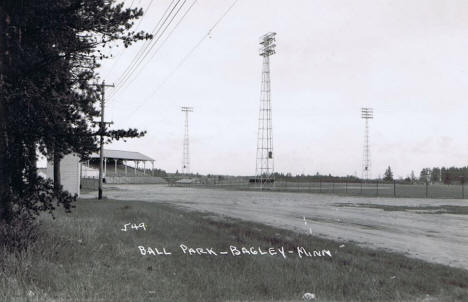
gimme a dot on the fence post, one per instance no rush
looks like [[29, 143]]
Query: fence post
[[463, 187], [377, 187], [361, 187], [333, 186], [346, 186], [394, 188], [427, 185], [320, 181]]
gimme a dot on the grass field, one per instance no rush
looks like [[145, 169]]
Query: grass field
[[84, 256]]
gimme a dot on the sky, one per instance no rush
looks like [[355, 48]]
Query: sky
[[406, 59]]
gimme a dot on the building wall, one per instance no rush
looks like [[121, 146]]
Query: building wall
[[88, 172], [69, 173]]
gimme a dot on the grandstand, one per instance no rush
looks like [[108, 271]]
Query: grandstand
[[123, 167]]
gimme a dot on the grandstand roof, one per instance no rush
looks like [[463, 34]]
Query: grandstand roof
[[120, 154]]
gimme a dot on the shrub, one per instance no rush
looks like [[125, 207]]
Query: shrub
[[19, 233]]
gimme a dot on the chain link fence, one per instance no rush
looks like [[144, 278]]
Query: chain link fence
[[375, 188]]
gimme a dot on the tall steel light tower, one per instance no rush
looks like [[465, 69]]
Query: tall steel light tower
[[265, 165], [366, 114], [186, 152]]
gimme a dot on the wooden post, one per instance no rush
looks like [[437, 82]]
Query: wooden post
[[394, 188], [102, 129], [463, 191], [427, 191], [463, 187]]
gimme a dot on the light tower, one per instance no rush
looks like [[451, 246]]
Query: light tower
[[265, 165], [366, 114], [186, 152]]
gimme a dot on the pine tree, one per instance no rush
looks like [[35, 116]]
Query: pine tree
[[49, 55], [388, 175]]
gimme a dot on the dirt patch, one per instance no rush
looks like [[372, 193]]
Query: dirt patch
[[382, 223]]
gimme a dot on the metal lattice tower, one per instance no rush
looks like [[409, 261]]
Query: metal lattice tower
[[265, 165], [186, 152], [366, 114]]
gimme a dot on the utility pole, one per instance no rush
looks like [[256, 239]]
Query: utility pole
[[186, 151], [102, 128], [265, 165]]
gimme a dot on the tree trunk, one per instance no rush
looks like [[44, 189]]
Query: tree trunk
[[4, 176], [57, 182], [32, 173]]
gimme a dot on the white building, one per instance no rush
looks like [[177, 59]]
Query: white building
[[69, 173]]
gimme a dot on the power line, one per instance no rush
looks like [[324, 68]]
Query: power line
[[173, 30], [146, 43], [129, 79], [144, 15], [221, 18], [149, 47], [184, 59], [148, 50], [119, 55]]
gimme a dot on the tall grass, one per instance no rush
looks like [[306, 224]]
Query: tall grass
[[84, 256]]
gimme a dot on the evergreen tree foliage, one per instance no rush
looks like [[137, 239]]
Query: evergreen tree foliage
[[388, 175], [49, 54]]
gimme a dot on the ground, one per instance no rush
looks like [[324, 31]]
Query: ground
[[96, 254], [433, 230]]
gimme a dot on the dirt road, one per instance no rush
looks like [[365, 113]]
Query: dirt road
[[421, 233]]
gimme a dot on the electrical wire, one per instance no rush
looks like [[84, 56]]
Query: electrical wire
[[146, 43], [119, 55], [184, 59], [148, 50], [145, 51], [164, 41]]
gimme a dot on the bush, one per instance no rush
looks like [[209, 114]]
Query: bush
[[19, 233]]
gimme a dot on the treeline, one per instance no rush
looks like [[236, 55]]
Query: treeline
[[451, 175], [313, 178], [444, 175]]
